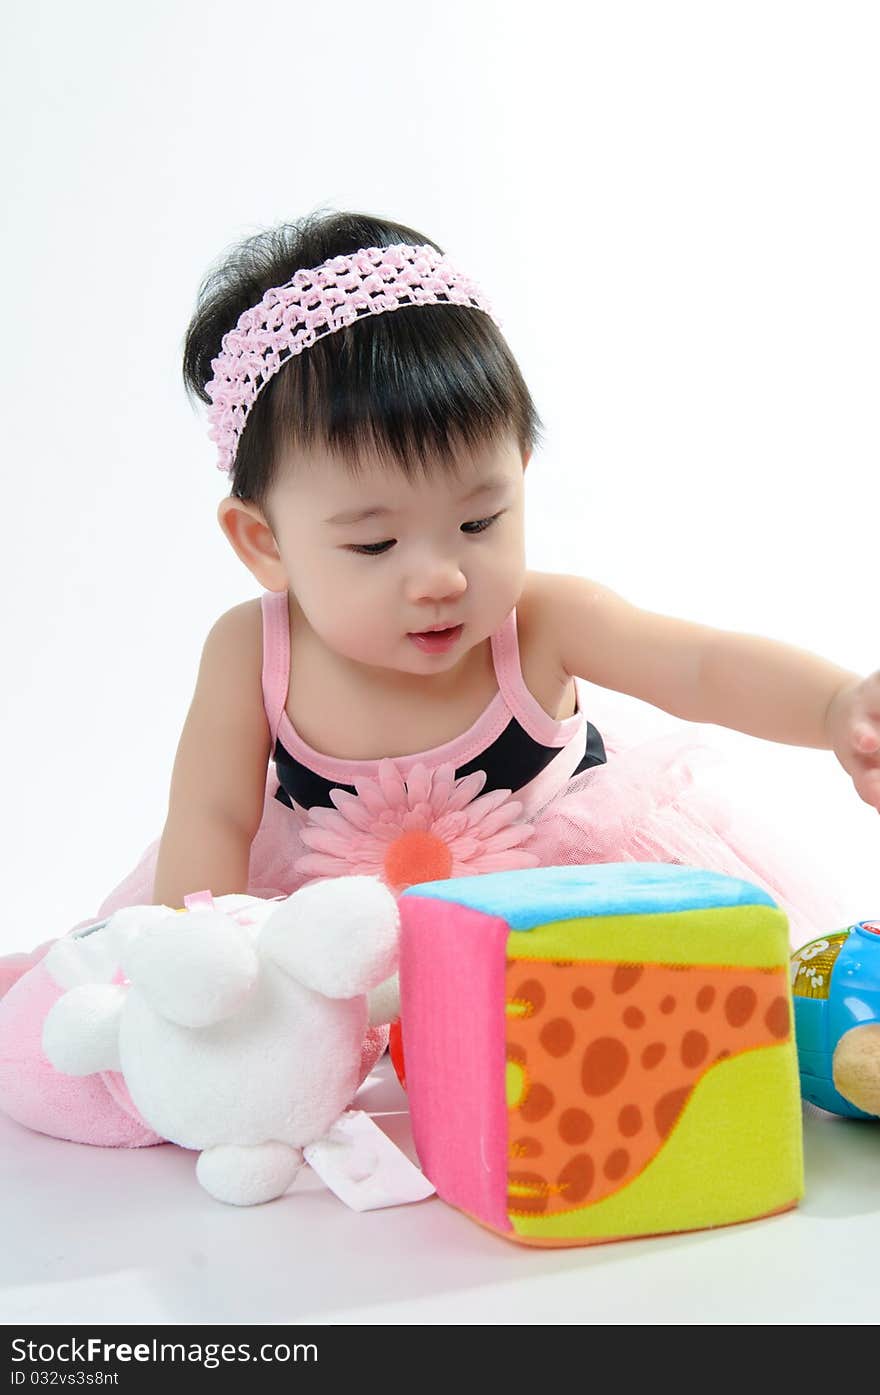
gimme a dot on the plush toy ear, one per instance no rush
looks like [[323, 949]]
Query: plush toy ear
[[81, 1029], [127, 924], [855, 1067], [339, 937], [95, 957], [193, 969], [71, 962]]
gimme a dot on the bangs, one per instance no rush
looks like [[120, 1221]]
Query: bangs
[[412, 388]]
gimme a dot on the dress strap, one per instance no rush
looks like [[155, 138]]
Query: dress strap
[[276, 656], [547, 730]]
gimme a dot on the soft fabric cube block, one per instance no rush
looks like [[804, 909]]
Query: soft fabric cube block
[[599, 1052]]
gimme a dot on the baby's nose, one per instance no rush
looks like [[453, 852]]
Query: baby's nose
[[438, 581]]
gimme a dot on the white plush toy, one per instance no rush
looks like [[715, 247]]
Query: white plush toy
[[240, 1028]]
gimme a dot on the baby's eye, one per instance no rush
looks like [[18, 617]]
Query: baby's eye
[[481, 524], [371, 549]]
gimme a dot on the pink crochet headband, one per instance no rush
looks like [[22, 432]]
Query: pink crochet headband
[[315, 303]]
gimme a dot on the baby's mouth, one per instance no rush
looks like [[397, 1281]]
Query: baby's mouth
[[436, 641]]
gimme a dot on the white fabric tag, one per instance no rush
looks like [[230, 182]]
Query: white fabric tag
[[360, 1165]]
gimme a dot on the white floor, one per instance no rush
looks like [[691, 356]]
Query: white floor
[[96, 1234]]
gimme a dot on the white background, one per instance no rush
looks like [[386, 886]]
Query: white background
[[675, 210]]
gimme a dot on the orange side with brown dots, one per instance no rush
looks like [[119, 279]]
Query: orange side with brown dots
[[603, 1057]]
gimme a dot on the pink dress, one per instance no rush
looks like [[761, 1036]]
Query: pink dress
[[517, 789]]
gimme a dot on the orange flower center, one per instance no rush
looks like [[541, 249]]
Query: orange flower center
[[417, 856]]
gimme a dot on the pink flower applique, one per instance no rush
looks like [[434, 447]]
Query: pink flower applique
[[425, 826]]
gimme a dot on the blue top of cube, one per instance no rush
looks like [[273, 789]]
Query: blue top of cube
[[540, 895]]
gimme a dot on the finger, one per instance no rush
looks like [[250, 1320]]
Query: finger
[[866, 738]]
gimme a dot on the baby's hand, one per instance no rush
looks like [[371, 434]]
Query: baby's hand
[[852, 724]]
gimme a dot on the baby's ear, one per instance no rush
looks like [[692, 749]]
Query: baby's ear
[[251, 538]]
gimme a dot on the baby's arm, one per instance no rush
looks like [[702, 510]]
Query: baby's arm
[[752, 684], [219, 777]]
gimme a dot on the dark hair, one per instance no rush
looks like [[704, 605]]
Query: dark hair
[[410, 387]]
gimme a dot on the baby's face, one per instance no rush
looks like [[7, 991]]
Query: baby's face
[[432, 557]]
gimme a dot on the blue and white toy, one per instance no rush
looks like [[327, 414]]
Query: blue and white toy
[[835, 984]]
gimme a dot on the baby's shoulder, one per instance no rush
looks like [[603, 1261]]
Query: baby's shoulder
[[237, 632], [234, 643], [558, 598], [560, 620], [538, 607], [537, 616]]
